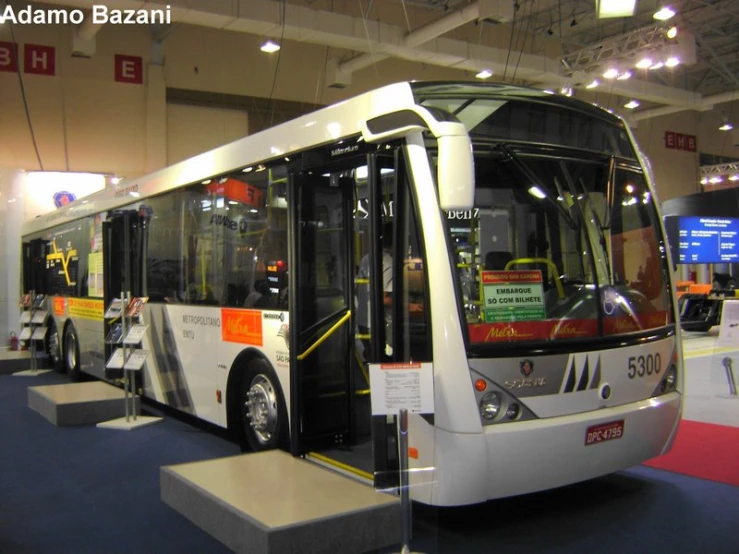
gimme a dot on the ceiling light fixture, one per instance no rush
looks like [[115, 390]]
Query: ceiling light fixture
[[625, 75], [614, 8], [611, 73], [630, 105], [658, 65], [484, 74], [734, 177], [593, 84], [672, 62], [269, 46], [726, 127], [664, 13], [644, 63], [672, 32]]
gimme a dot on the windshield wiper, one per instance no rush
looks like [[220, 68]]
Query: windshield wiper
[[534, 179]]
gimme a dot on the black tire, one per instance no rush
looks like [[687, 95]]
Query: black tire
[[262, 408], [54, 348], [72, 354]]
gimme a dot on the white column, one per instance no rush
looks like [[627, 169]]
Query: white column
[[11, 217]]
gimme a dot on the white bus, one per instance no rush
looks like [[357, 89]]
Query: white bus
[[509, 237]]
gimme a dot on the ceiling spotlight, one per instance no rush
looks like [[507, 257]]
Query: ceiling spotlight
[[726, 127], [704, 181], [625, 75], [269, 47], [664, 13], [658, 65], [631, 104], [644, 63], [672, 32], [611, 73], [734, 177], [672, 62], [593, 84], [567, 91], [615, 8], [484, 74], [715, 180]]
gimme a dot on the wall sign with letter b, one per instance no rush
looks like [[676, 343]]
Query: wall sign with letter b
[[129, 69], [8, 57]]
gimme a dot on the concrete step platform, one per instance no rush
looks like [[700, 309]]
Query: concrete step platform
[[271, 502], [79, 403], [12, 361]]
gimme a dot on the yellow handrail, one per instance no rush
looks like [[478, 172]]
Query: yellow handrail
[[326, 335], [550, 263]]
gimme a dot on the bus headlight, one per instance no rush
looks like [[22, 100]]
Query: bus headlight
[[490, 405], [670, 379]]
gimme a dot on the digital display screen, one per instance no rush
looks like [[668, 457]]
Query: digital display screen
[[708, 240]]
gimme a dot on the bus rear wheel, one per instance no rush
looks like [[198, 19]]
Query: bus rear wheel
[[262, 408], [72, 354], [54, 348]]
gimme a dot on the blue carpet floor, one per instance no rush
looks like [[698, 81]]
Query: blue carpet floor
[[87, 490]]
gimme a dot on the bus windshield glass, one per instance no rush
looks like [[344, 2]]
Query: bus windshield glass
[[564, 240]]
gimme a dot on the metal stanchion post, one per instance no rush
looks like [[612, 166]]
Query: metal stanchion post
[[405, 502], [726, 362]]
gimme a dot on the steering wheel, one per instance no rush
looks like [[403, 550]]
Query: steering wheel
[[550, 265]]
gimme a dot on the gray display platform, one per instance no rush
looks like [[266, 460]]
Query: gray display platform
[[12, 361], [271, 502], [78, 403]]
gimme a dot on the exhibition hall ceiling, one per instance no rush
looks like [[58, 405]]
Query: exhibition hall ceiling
[[550, 44]]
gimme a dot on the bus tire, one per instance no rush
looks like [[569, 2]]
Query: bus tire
[[72, 353], [262, 408], [54, 348]]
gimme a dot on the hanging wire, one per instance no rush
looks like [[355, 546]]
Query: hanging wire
[[510, 42], [283, 12], [366, 32], [523, 43], [23, 95]]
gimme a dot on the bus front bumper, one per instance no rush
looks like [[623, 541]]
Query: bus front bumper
[[518, 458]]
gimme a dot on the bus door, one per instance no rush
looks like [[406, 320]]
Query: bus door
[[320, 311], [122, 268]]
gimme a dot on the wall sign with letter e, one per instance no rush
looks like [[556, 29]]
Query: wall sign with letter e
[[129, 69]]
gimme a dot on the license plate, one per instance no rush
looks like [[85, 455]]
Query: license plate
[[604, 432]]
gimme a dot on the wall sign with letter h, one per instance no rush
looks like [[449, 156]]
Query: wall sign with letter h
[[37, 59]]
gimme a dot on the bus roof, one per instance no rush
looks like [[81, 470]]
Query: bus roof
[[323, 126]]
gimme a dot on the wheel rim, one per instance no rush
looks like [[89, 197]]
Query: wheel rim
[[261, 408], [71, 352]]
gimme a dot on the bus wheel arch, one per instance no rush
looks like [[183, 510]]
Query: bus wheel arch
[[255, 403], [71, 352]]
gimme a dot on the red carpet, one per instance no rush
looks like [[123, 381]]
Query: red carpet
[[703, 450]]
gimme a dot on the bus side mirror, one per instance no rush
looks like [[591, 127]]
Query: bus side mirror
[[455, 172]]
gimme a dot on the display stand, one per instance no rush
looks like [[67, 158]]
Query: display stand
[[126, 334], [397, 390], [33, 328]]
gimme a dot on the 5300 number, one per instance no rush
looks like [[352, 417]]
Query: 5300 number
[[639, 366]]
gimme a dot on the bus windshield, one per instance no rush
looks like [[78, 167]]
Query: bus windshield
[[564, 241], [559, 247]]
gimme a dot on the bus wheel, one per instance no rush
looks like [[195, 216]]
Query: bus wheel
[[72, 354], [263, 410], [54, 349]]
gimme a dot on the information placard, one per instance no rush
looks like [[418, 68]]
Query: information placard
[[25, 334], [116, 359], [26, 317], [136, 334], [728, 331], [39, 333], [39, 317], [114, 310], [402, 386], [136, 360], [513, 296]]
